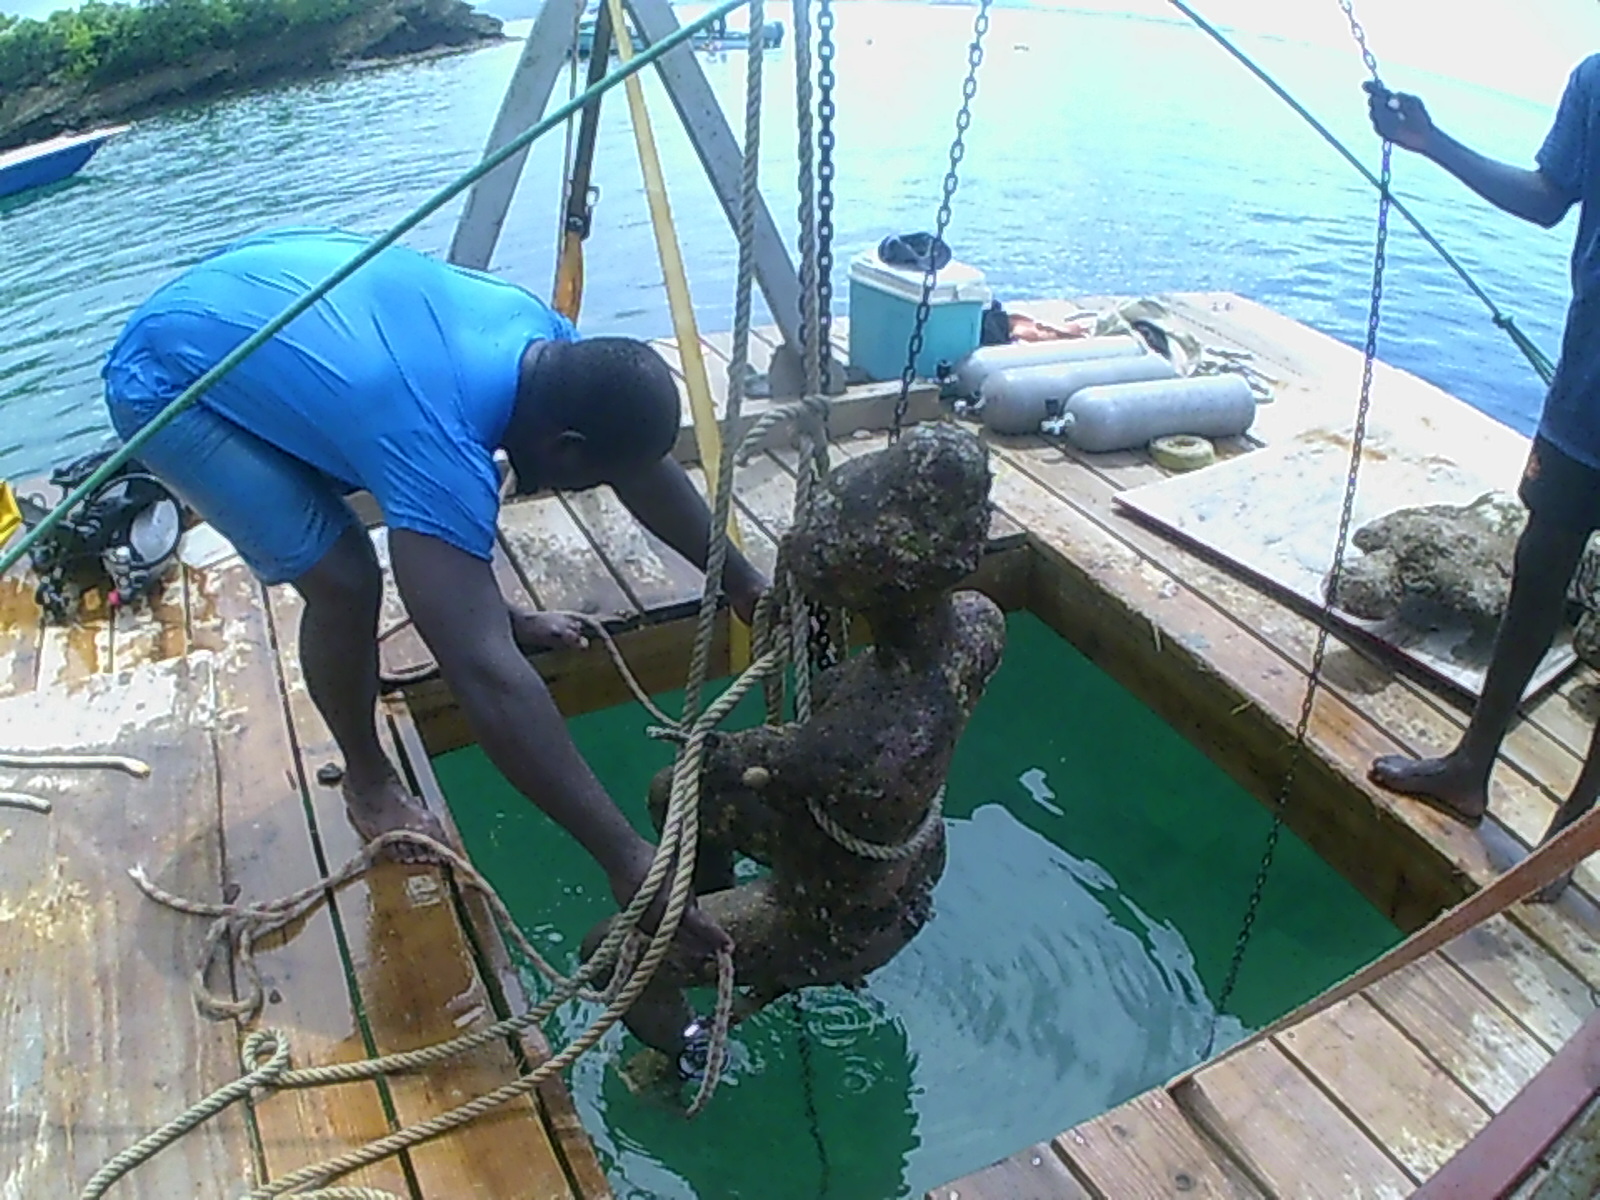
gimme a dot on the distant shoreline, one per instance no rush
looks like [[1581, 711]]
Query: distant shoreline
[[386, 33]]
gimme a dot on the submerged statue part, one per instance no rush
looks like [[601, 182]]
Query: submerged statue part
[[889, 537]]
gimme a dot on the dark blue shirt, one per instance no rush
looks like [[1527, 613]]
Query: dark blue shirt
[[1570, 160]]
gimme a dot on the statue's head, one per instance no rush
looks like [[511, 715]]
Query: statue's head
[[896, 528]]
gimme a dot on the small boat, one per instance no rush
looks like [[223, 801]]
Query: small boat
[[42, 163]]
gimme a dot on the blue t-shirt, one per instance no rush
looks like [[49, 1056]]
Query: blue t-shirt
[[400, 381], [1570, 160]]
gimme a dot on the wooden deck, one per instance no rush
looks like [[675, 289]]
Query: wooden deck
[[1368, 1099], [101, 1039], [1371, 1097]]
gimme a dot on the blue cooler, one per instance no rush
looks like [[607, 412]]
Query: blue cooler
[[883, 312]]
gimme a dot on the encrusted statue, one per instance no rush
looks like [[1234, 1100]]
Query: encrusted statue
[[1458, 557], [843, 809]]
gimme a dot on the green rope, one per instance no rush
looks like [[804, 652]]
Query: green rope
[[438, 200], [1534, 355]]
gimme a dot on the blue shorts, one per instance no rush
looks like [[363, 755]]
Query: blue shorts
[[280, 514]]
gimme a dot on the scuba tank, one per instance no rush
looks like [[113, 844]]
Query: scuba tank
[[120, 539], [971, 372], [1122, 416], [1020, 399]]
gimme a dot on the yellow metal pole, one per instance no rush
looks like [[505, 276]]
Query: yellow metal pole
[[10, 513], [707, 436]]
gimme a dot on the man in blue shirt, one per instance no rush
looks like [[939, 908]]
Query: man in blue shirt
[[1561, 483], [404, 381]]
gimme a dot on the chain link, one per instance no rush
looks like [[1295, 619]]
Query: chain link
[[825, 176], [958, 150], [1319, 653], [824, 651], [1360, 36]]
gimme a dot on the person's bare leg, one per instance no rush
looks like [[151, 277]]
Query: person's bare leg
[[339, 656], [1579, 801], [1458, 782]]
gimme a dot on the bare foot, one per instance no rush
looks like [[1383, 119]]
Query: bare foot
[[383, 809], [548, 631], [1552, 892], [1441, 783]]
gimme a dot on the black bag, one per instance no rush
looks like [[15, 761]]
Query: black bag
[[914, 251]]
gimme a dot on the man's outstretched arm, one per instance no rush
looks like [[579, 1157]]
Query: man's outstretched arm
[[459, 611], [1532, 195], [665, 501]]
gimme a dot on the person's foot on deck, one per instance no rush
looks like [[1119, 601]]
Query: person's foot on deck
[[1552, 892], [382, 809], [1445, 784], [536, 631]]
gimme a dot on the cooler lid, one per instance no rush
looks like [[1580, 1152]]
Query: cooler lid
[[957, 283]]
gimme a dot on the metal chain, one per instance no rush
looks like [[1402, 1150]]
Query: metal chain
[[1360, 36], [808, 1076], [816, 258], [824, 651], [1319, 653], [825, 176], [958, 150]]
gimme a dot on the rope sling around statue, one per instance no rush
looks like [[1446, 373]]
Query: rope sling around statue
[[554, 120]]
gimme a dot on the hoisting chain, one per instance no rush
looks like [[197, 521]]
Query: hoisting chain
[[958, 150], [824, 650], [1331, 589], [815, 158], [825, 174]]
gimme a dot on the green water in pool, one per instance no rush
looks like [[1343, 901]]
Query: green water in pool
[[1098, 870]]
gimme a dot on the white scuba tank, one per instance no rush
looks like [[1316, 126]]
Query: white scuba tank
[[1019, 399], [1121, 416], [976, 367]]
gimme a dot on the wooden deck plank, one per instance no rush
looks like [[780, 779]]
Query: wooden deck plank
[[417, 985], [557, 563], [270, 852], [152, 630], [1147, 1147], [1542, 993], [1462, 1028], [502, 978], [655, 577], [102, 1040], [21, 632], [1036, 1173], [70, 655], [759, 547], [1285, 1130], [1395, 1091], [766, 494], [1518, 1142]]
